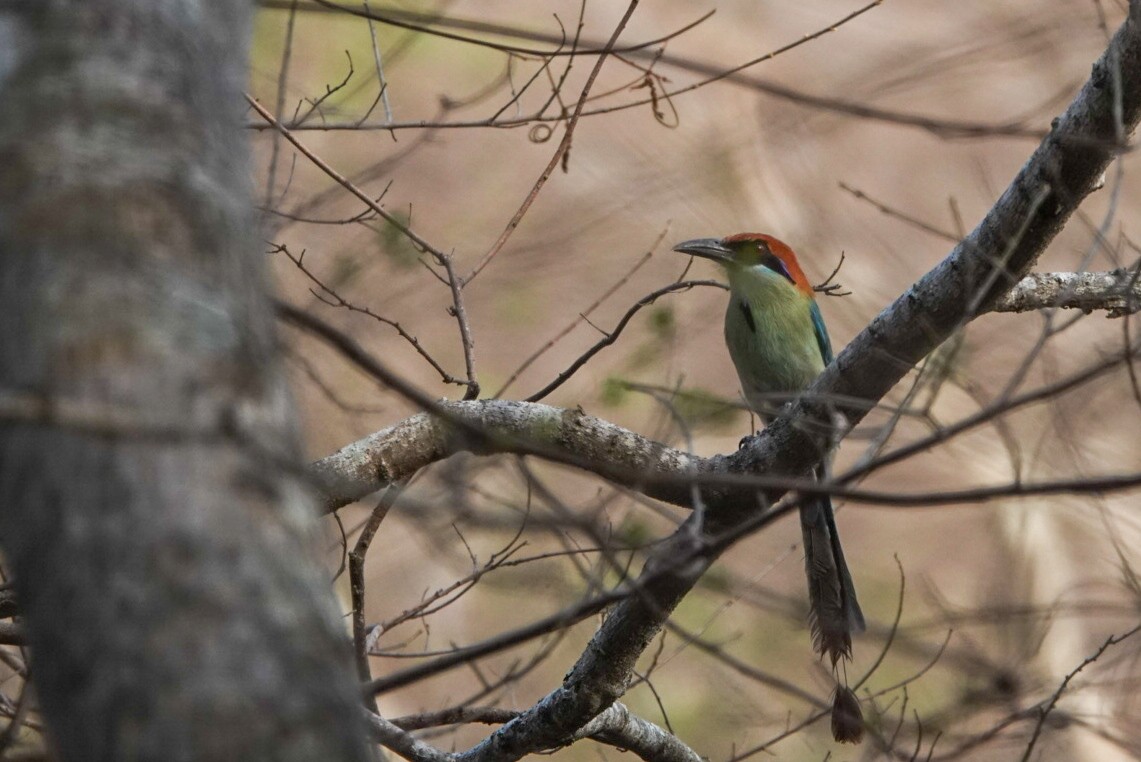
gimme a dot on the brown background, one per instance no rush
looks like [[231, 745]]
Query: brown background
[[1028, 587]]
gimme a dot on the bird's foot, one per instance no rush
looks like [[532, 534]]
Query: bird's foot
[[840, 427], [745, 441]]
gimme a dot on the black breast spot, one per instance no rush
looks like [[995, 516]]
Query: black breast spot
[[748, 312]]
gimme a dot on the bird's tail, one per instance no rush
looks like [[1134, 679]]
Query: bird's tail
[[835, 614]]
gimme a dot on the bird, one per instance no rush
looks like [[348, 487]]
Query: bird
[[778, 343]]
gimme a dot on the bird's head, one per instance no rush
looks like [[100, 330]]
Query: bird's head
[[748, 251]]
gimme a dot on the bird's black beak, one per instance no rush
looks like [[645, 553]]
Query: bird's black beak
[[710, 248]]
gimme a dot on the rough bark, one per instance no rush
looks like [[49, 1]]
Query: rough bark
[[1117, 292], [173, 604], [508, 426]]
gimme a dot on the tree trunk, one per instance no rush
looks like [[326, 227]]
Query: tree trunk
[[160, 537]]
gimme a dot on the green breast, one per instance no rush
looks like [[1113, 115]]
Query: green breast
[[771, 338]]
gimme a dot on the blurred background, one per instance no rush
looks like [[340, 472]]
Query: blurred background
[[879, 143]]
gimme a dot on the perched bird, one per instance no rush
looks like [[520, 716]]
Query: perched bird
[[778, 342]]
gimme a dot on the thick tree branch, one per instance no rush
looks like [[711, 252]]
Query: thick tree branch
[[394, 454], [404, 743], [1118, 292], [617, 726]]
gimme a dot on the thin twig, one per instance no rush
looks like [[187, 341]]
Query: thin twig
[[339, 301], [418, 22], [282, 79], [460, 314], [379, 69], [612, 336], [574, 323], [564, 146], [356, 583], [1044, 711], [893, 212], [341, 179]]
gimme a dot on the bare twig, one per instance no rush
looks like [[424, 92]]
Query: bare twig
[[571, 326], [282, 80], [560, 152], [611, 337], [460, 314], [420, 22], [341, 179], [330, 296], [897, 214], [383, 94], [357, 580], [1045, 709]]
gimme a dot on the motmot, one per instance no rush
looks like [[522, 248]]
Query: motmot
[[779, 345]]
